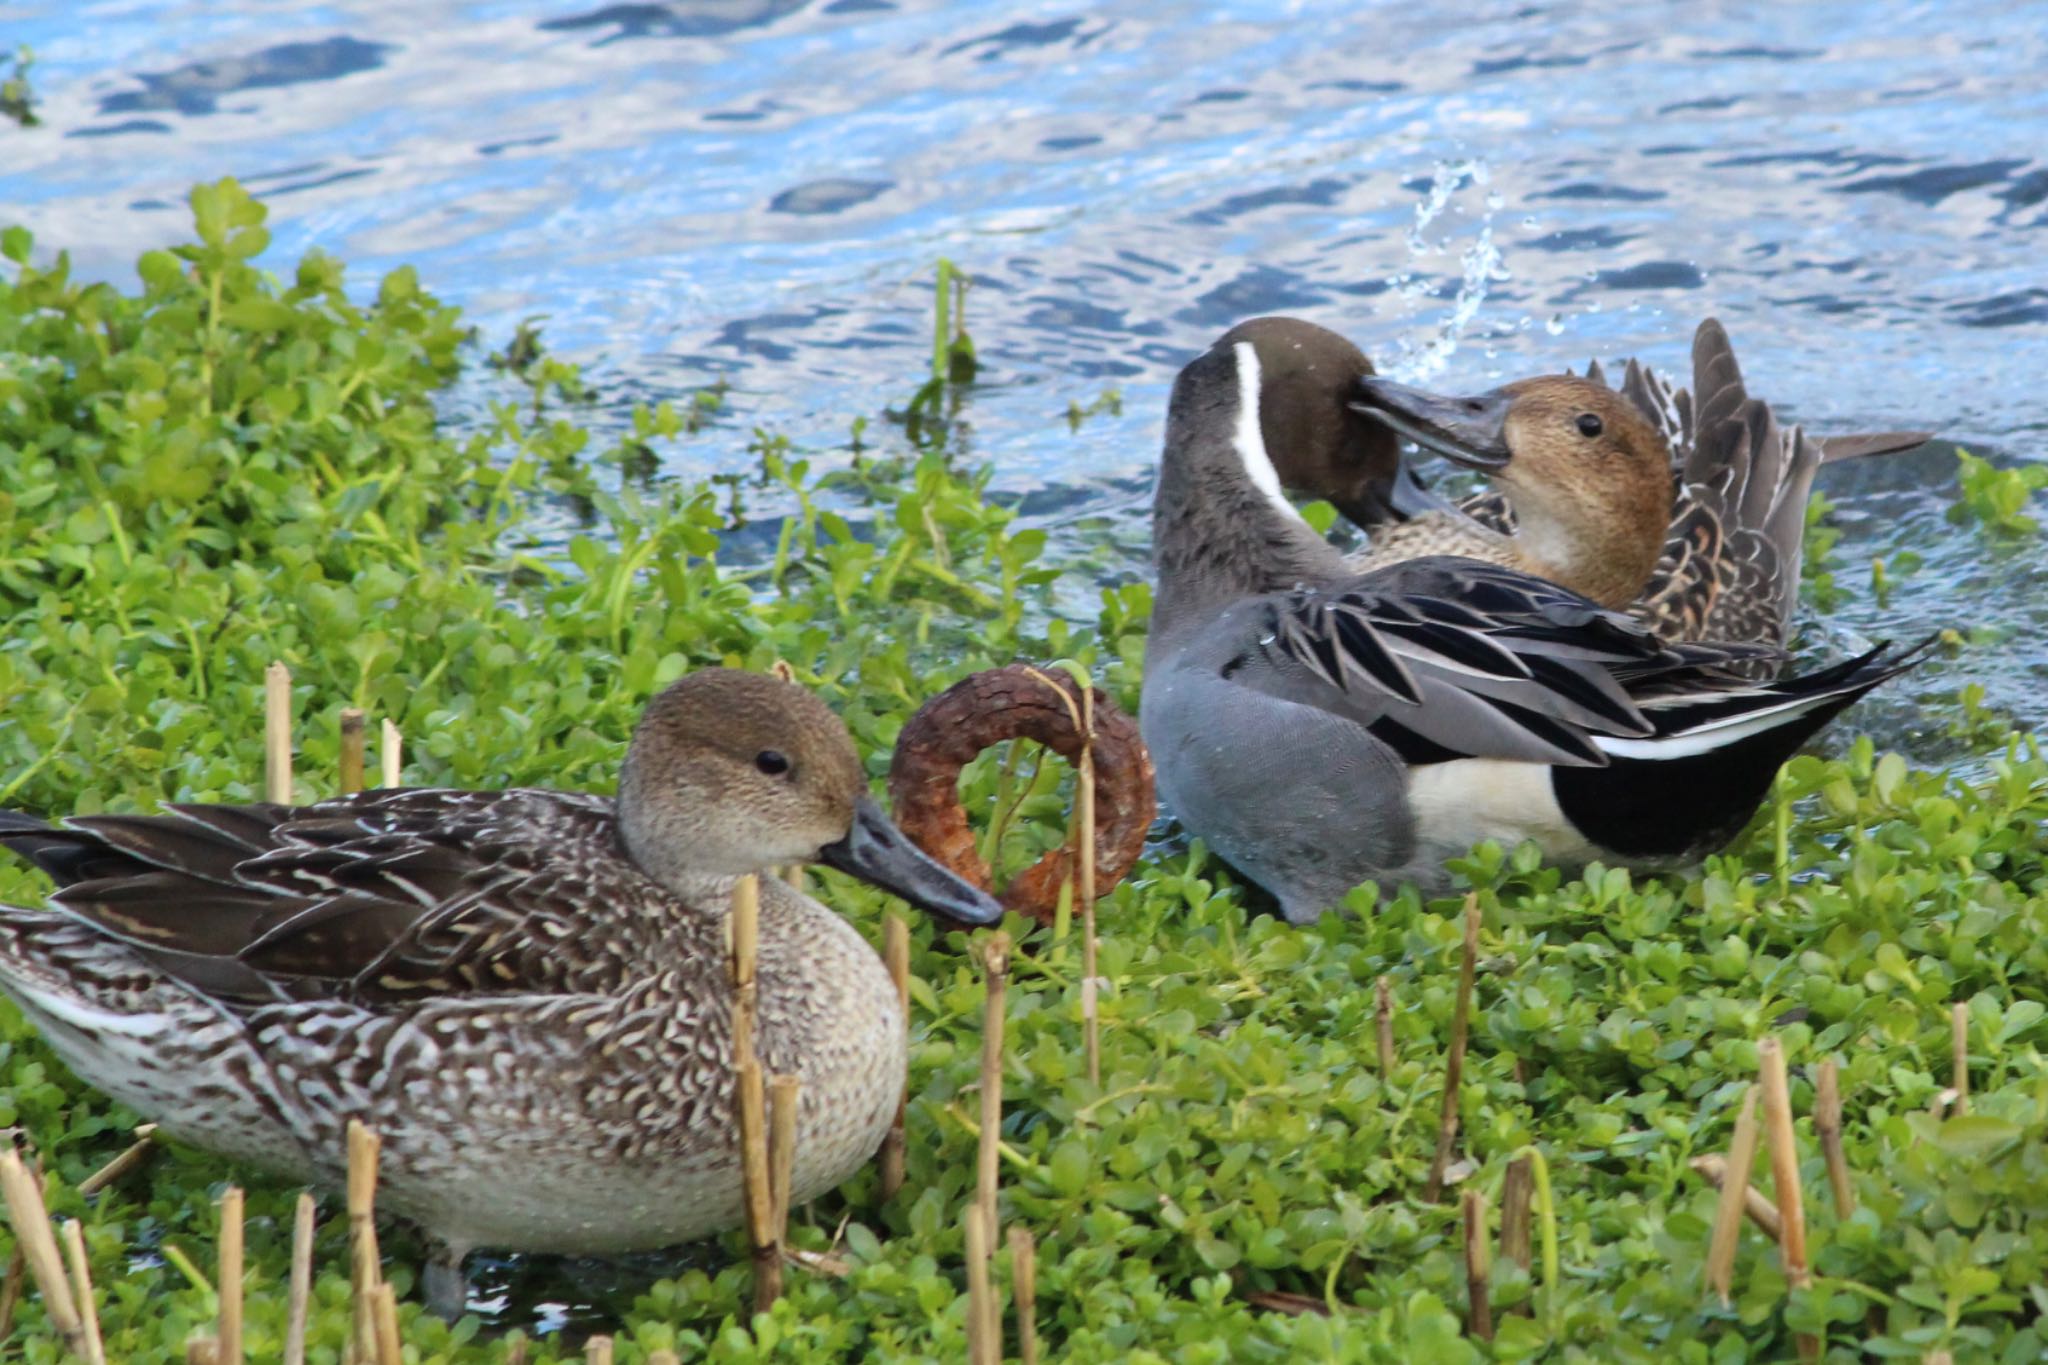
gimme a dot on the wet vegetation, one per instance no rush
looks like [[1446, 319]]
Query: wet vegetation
[[222, 467]]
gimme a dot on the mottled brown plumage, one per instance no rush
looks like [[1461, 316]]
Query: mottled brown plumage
[[525, 992]]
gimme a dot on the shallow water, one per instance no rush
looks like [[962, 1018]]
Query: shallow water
[[758, 189]]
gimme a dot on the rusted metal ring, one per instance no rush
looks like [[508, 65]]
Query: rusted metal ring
[[1021, 702]]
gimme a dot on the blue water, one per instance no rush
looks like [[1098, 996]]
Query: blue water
[[757, 189]]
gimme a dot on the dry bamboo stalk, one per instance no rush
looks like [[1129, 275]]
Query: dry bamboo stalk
[[981, 1350], [1827, 1125], [229, 1280], [995, 962], [744, 926], [277, 734], [351, 763], [794, 875], [782, 1097], [1959, 1043], [31, 1219], [519, 1352], [390, 752], [663, 1358], [132, 1157], [1515, 1188], [1478, 1268], [1728, 1214], [1024, 1291], [1777, 1106], [365, 1263], [1383, 1017], [384, 1300], [1084, 811], [81, 1289], [10, 1288], [1713, 1168], [302, 1281], [200, 1351], [760, 1196], [597, 1351], [896, 952], [1454, 1071]]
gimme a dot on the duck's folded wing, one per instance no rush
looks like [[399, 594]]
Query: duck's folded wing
[[1446, 658], [386, 895]]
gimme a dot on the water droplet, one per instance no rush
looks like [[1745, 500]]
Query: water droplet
[[1556, 324]]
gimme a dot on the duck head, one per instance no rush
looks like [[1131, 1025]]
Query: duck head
[[1317, 441], [1587, 474], [730, 772]]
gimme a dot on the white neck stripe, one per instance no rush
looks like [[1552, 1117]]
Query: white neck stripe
[[1249, 440]]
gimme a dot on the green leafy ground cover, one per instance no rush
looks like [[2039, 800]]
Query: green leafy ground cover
[[227, 468]]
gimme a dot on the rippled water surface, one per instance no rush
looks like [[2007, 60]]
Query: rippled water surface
[[758, 189]]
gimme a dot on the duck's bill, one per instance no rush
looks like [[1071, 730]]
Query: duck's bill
[[875, 851], [1467, 431]]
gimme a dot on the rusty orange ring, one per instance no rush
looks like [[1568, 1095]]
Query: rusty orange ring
[[1019, 701]]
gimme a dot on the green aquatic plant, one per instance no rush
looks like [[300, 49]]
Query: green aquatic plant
[[1999, 498], [220, 469], [17, 97]]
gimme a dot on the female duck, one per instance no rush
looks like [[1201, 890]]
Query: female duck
[[524, 992]]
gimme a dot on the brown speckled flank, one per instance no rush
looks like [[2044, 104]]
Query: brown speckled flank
[[525, 993]]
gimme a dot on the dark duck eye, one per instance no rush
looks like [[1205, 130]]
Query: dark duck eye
[[1589, 424], [772, 762]]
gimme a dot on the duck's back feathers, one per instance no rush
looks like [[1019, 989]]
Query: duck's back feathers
[[1731, 563], [381, 896], [1443, 658]]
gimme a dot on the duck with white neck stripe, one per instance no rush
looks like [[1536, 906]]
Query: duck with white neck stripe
[[1320, 727]]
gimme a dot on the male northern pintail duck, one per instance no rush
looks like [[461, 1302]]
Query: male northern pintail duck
[[526, 993], [1688, 508], [1320, 727]]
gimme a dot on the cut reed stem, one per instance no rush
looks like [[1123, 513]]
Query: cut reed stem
[[995, 962], [981, 1349], [351, 760], [1084, 810], [597, 1351], [1024, 1291], [1827, 1125], [229, 1278], [1777, 1106], [744, 926], [760, 1197], [1720, 1269], [1959, 1044], [1383, 1020], [81, 1289], [1515, 1189], [365, 1262], [384, 1300], [390, 752], [10, 1287], [199, 1350], [1713, 1168], [277, 734], [132, 1158], [1454, 1071], [301, 1282], [782, 1097], [31, 1219], [1478, 1268], [896, 953]]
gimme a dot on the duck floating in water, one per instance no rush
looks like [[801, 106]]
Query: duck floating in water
[[525, 993], [1322, 727]]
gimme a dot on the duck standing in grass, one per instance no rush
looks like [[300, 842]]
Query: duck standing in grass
[[1321, 727], [526, 993]]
